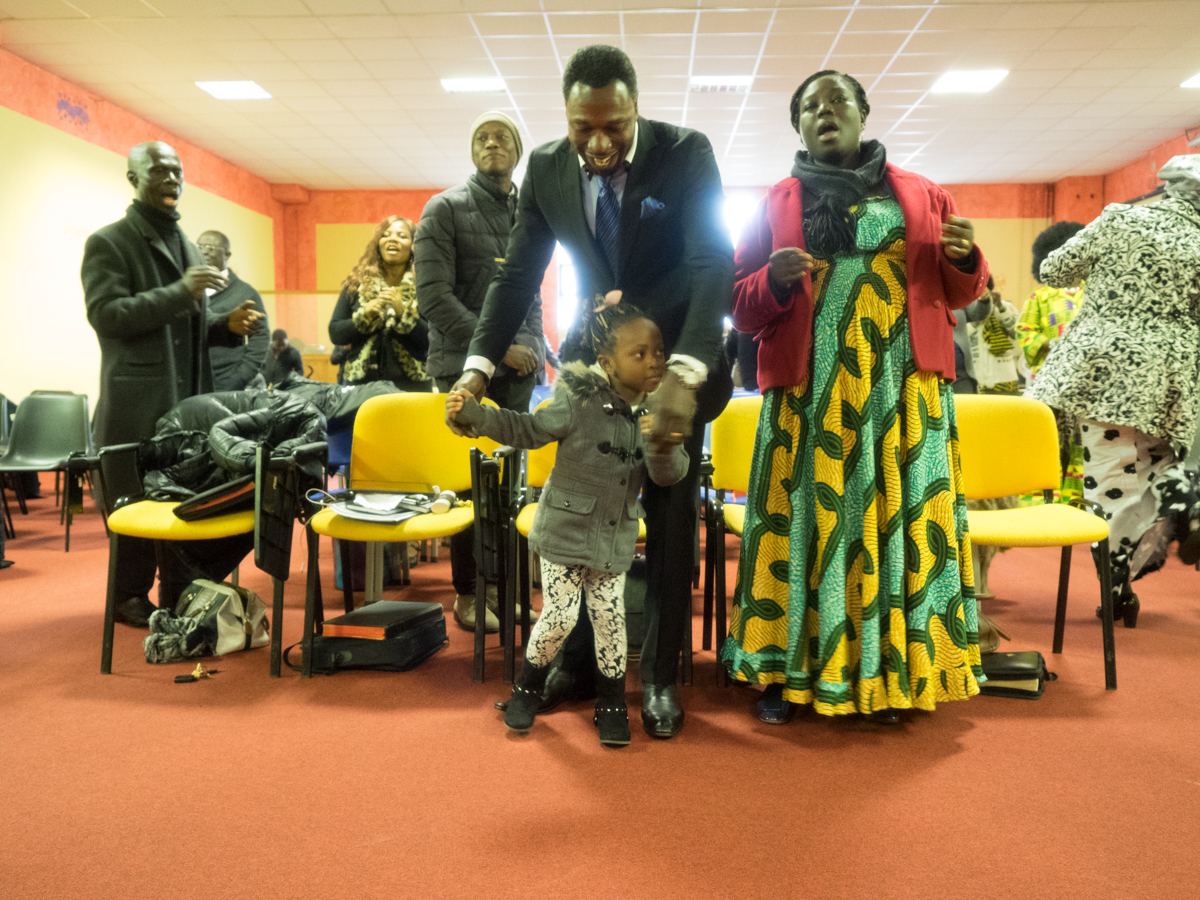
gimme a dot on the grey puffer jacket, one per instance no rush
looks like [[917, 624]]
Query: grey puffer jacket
[[589, 510], [459, 245]]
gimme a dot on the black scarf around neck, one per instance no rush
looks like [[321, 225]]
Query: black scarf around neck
[[829, 227]]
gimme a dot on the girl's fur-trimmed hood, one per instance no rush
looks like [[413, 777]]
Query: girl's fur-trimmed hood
[[583, 381]]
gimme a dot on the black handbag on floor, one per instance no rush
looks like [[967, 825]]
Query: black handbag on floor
[[415, 632], [1022, 675]]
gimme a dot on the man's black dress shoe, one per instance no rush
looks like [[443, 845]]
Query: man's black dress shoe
[[564, 687], [662, 713], [561, 687], [134, 611]]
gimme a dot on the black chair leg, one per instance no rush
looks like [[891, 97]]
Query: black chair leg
[[9, 531], [710, 559], [277, 628], [347, 576], [1060, 614], [19, 490], [1106, 618], [312, 602], [524, 579], [110, 607], [719, 598]]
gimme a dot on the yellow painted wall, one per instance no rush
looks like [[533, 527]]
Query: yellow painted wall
[[1008, 246], [55, 190]]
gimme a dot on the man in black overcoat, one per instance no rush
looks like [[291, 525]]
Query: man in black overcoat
[[144, 286], [638, 205]]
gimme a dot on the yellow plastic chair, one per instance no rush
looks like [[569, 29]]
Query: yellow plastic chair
[[1009, 445], [732, 447], [401, 443]]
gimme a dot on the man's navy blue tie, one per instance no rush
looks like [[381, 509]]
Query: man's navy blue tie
[[608, 214]]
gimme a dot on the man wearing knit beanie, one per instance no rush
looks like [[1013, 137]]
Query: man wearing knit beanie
[[460, 243], [493, 117]]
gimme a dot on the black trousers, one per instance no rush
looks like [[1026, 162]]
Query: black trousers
[[671, 517], [507, 393], [178, 563]]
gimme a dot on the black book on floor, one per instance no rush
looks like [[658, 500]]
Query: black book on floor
[[1022, 674], [382, 620]]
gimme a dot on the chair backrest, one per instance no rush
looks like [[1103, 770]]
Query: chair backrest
[[8, 410], [1006, 445], [48, 428], [539, 462], [733, 443], [401, 443]]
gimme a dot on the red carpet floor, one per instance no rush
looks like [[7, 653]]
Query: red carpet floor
[[407, 786]]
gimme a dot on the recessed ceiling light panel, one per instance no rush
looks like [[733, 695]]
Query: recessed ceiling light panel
[[963, 82], [1193, 82], [472, 85], [730, 84], [234, 90]]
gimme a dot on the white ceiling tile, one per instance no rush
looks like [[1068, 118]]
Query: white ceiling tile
[[336, 70], [288, 90], [585, 24], [516, 47], [659, 22], [393, 48], [273, 8], [117, 9], [291, 28], [510, 24], [347, 7], [314, 51], [38, 9], [435, 26], [53, 31]]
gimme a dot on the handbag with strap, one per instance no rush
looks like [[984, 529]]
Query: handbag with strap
[[1022, 674], [210, 619]]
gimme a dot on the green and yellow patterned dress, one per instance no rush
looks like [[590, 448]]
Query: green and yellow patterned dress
[[854, 586]]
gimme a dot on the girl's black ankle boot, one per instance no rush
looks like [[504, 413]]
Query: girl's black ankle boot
[[612, 717], [526, 696]]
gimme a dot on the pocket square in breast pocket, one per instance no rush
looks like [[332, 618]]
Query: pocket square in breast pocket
[[652, 207]]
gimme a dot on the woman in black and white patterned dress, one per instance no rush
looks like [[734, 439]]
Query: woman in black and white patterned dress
[[1129, 366]]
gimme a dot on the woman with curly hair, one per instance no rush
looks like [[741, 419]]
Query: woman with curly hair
[[854, 590], [376, 314]]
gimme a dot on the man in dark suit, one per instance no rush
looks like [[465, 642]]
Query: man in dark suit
[[637, 204], [145, 288], [233, 367]]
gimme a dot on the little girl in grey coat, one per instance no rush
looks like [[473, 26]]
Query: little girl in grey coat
[[586, 525]]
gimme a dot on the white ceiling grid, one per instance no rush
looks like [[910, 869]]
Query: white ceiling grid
[[357, 101]]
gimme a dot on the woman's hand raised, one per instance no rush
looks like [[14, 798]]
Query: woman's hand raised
[[787, 266], [958, 238]]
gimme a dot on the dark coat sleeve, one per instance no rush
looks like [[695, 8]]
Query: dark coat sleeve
[[513, 292], [707, 254], [435, 264], [258, 345], [114, 309], [342, 329]]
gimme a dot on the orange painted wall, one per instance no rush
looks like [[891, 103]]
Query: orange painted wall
[[1141, 176]]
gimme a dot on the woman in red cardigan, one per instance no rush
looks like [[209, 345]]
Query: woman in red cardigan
[[855, 591]]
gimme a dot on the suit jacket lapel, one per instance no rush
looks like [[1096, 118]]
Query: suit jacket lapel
[[637, 188], [580, 237]]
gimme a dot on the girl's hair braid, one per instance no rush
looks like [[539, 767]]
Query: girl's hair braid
[[595, 333]]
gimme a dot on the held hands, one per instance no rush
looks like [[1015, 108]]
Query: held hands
[[520, 358], [246, 320], [787, 266], [470, 382], [656, 447], [455, 400], [198, 279], [958, 238], [672, 408]]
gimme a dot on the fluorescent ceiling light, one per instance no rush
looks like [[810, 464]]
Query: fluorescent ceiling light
[[234, 90], [1194, 82], [733, 84], [472, 85], [979, 82]]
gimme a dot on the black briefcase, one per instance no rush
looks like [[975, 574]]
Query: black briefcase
[[418, 631], [1022, 675]]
